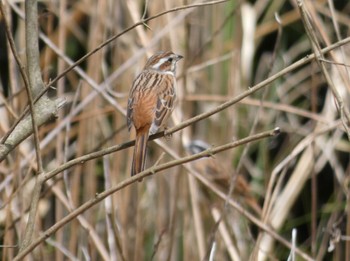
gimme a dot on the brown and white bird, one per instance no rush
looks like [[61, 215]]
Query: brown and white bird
[[151, 102], [215, 172]]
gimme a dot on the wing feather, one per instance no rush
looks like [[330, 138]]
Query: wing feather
[[147, 85], [165, 103]]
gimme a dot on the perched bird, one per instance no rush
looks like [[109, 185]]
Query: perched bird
[[151, 102], [214, 171]]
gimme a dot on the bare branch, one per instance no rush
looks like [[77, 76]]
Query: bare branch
[[310, 31], [151, 171], [45, 109]]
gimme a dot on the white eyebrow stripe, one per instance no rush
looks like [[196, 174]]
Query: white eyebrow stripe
[[167, 72], [161, 61]]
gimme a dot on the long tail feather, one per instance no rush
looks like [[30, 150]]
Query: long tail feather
[[139, 158]]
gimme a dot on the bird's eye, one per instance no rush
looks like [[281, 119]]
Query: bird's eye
[[170, 59]]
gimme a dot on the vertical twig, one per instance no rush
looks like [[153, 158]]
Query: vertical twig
[[112, 238], [344, 113], [197, 216], [23, 73], [62, 38], [313, 173], [34, 87], [32, 84]]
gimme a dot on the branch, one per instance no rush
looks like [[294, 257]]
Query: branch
[[290, 68], [45, 109], [32, 47], [310, 31], [101, 196], [33, 85], [141, 22], [204, 115], [4, 150]]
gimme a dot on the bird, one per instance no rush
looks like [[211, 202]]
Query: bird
[[215, 172], [151, 102]]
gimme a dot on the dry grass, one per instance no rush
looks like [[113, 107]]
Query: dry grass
[[248, 69]]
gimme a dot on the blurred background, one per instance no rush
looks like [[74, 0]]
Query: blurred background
[[296, 180]]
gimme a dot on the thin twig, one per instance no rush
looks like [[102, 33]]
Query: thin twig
[[266, 104], [332, 62], [198, 117], [310, 31], [156, 245], [141, 22], [197, 216], [82, 59]]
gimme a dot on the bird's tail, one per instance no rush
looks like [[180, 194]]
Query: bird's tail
[[139, 158]]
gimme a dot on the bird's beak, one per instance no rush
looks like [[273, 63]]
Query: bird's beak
[[179, 57]]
